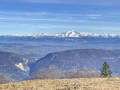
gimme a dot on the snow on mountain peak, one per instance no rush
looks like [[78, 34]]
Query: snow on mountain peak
[[71, 33]]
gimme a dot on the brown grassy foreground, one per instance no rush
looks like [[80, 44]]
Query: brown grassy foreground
[[65, 84]]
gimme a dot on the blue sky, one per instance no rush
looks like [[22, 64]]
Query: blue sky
[[56, 16]]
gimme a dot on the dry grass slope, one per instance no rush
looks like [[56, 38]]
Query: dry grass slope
[[65, 84]]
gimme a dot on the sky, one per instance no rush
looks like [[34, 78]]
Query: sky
[[56, 16]]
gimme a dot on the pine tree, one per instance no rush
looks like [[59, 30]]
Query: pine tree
[[105, 71]]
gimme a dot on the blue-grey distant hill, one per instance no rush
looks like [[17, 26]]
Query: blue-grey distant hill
[[16, 68], [92, 59], [13, 67], [38, 45]]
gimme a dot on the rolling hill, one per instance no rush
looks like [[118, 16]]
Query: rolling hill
[[65, 84], [75, 59]]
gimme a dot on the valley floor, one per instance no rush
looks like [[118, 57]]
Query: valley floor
[[65, 84]]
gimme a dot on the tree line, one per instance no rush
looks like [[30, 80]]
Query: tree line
[[54, 72]]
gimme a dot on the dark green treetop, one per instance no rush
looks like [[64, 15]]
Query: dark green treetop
[[106, 71]]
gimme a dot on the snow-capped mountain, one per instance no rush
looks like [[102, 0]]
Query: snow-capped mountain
[[73, 33], [70, 33]]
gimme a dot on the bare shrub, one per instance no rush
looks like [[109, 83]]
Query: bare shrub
[[49, 73], [3, 80], [55, 73], [93, 74], [84, 73]]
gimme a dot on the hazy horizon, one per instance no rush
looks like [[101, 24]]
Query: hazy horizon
[[64, 32]]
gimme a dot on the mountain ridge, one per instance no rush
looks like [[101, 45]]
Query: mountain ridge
[[71, 33], [78, 58], [13, 66]]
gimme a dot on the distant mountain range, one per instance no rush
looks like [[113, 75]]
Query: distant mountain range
[[68, 50], [16, 68], [70, 33], [91, 59]]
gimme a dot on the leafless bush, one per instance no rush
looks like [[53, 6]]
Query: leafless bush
[[49, 73], [84, 73], [55, 73], [3, 80]]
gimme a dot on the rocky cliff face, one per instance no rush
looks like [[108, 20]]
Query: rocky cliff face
[[13, 66]]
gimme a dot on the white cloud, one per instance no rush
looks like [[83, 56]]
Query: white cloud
[[46, 1], [84, 2], [38, 19], [41, 15], [78, 27]]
